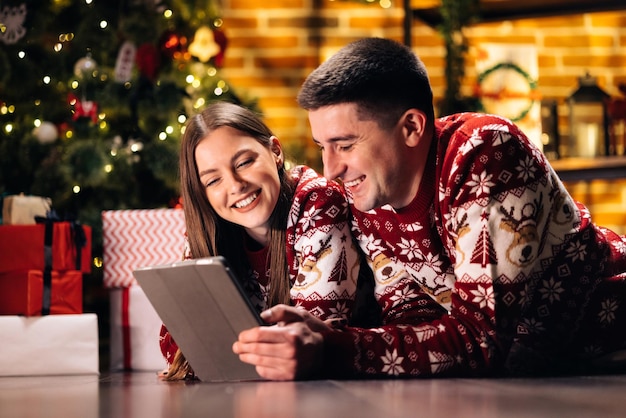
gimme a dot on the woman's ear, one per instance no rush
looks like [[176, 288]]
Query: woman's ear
[[413, 126], [277, 150]]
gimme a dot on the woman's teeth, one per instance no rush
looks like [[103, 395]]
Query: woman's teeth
[[245, 202]]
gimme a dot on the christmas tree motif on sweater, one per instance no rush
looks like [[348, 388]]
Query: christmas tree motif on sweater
[[439, 362], [484, 253], [340, 271], [425, 332]]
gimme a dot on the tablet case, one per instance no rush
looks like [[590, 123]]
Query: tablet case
[[204, 308]]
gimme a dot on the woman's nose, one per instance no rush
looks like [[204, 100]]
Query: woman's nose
[[237, 184]]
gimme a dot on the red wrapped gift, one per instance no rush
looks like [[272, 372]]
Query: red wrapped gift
[[22, 247], [22, 292]]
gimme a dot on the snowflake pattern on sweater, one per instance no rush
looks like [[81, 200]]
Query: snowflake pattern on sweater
[[323, 260], [492, 268]]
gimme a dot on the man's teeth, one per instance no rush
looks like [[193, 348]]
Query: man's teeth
[[353, 182], [245, 202]]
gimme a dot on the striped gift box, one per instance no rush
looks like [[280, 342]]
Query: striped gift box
[[139, 237]]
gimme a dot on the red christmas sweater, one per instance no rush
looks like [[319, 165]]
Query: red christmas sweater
[[323, 260], [491, 269]]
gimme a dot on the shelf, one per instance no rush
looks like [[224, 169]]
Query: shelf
[[586, 169], [499, 10]]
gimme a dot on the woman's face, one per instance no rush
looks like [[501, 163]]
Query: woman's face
[[240, 177]]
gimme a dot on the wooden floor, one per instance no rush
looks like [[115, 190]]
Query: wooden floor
[[123, 395]]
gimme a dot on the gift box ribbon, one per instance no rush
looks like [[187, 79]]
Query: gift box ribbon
[[80, 240]]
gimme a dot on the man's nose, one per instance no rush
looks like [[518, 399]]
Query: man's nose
[[332, 165]]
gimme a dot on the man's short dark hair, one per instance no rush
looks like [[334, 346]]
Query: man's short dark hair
[[383, 77]]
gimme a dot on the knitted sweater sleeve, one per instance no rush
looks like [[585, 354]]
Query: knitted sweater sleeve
[[323, 259], [514, 242]]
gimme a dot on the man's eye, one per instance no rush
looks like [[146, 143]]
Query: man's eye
[[345, 147]]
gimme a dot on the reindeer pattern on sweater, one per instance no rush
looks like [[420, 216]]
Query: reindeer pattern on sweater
[[492, 268]]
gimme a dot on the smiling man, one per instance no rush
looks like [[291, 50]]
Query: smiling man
[[483, 263]]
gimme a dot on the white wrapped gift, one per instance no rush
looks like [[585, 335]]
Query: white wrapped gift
[[49, 345], [22, 210], [135, 238], [135, 328]]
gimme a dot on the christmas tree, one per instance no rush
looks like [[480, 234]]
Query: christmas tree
[[94, 96]]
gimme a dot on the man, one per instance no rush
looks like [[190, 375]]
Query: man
[[483, 263]]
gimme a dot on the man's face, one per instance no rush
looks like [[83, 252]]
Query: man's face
[[367, 159]]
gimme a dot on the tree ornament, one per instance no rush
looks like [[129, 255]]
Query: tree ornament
[[125, 62], [13, 20], [222, 41], [148, 61], [203, 45], [173, 45], [46, 133], [83, 108], [85, 66]]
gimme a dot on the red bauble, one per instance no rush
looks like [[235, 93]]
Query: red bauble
[[148, 61], [172, 44], [220, 39]]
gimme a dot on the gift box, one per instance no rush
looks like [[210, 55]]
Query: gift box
[[135, 328], [27, 293], [22, 210], [23, 247], [49, 345], [137, 238]]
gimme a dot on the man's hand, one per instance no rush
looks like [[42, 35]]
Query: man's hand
[[290, 349]]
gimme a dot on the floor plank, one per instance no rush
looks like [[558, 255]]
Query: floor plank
[[140, 395]]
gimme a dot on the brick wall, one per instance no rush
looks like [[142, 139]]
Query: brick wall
[[274, 45]]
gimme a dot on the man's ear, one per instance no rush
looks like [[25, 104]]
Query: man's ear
[[413, 126]]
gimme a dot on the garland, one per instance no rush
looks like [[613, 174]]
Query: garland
[[532, 83]]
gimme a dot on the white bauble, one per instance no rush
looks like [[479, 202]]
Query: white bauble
[[46, 133], [85, 65]]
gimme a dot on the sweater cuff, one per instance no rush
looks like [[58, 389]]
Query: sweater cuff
[[340, 354]]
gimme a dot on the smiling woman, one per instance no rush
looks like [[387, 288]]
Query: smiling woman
[[285, 232]]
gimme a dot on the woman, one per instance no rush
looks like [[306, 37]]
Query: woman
[[285, 233]]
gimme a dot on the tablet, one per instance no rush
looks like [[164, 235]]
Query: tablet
[[204, 308]]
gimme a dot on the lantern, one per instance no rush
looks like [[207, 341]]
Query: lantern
[[589, 122]]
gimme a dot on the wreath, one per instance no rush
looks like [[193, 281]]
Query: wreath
[[532, 95]]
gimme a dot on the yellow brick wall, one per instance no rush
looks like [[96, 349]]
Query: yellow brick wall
[[272, 46]]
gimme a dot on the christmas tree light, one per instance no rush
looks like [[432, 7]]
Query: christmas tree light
[[94, 97]]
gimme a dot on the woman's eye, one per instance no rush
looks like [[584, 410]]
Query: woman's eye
[[244, 163], [211, 182]]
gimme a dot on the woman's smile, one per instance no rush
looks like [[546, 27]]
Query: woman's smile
[[247, 203]]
